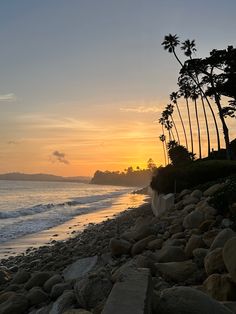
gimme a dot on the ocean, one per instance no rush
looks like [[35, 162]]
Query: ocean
[[28, 207]]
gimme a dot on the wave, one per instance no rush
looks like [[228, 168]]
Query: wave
[[42, 208]]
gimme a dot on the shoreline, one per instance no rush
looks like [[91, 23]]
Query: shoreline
[[69, 229]]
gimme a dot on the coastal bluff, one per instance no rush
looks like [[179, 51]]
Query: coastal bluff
[[181, 261]]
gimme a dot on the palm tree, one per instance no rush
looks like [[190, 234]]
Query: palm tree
[[173, 97], [163, 140], [170, 43], [170, 109], [185, 92], [189, 48], [162, 123], [194, 97]]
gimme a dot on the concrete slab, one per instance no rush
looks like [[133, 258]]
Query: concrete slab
[[79, 268]]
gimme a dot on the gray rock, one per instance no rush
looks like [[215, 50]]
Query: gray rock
[[214, 262], [63, 303], [52, 282], [171, 254], [37, 296], [37, 280], [139, 246], [196, 194], [21, 276], [214, 189], [193, 220], [5, 275], [79, 268], [220, 287], [58, 289], [229, 256], [17, 304], [193, 243], [119, 246], [221, 238], [190, 200], [186, 300]]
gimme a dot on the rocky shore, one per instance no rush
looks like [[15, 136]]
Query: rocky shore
[[181, 262]]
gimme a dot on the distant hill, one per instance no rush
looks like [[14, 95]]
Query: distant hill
[[16, 176]]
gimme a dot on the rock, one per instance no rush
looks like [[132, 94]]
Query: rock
[[229, 256], [220, 287], [6, 295], [79, 268], [155, 244], [37, 280], [199, 256], [214, 189], [146, 262], [190, 200], [63, 303], [176, 271], [5, 275], [52, 282], [21, 276], [119, 247], [230, 305], [93, 289], [208, 211], [171, 254], [213, 262], [122, 272], [17, 304], [222, 238], [207, 225], [175, 228], [196, 194], [209, 237], [58, 289], [139, 246], [193, 243], [188, 208], [186, 300], [132, 295], [77, 311], [193, 220], [226, 223], [37, 296], [184, 193]]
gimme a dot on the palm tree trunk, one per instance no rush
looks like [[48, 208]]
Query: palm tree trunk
[[176, 131], [165, 150], [198, 130], [207, 127], [180, 116], [190, 124]]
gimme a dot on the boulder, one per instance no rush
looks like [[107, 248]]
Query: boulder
[[52, 282], [171, 254], [4, 296], [5, 275], [139, 246], [16, 304], [214, 262], [21, 276], [77, 311], [175, 228], [119, 246], [214, 189], [176, 271], [79, 268], [37, 280], [37, 296], [222, 237], [63, 303], [193, 220], [229, 256], [194, 242], [184, 193], [92, 289], [199, 256], [155, 244], [58, 289], [209, 236], [196, 194], [186, 300], [190, 200], [207, 225], [220, 287]]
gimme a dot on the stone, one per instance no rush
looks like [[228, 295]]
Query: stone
[[52, 282], [189, 208], [214, 262], [92, 289], [229, 256], [175, 228], [196, 194], [63, 303], [146, 262], [199, 255], [226, 223], [132, 295], [77, 311], [171, 254], [6, 295], [58, 289], [184, 193], [193, 219], [79, 268], [220, 287], [194, 242], [207, 225], [16, 304], [5, 275], [121, 273], [209, 237], [37, 280], [139, 246], [176, 271], [36, 296], [190, 200], [186, 300], [221, 238], [21, 276], [155, 244], [161, 203], [214, 189], [119, 247]]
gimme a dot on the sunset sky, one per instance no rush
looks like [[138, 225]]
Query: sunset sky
[[83, 82]]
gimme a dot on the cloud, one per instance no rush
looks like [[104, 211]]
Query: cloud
[[8, 97], [141, 109], [59, 156]]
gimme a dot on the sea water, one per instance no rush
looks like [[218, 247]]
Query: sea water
[[28, 207]]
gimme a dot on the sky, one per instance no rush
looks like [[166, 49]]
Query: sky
[[83, 82]]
